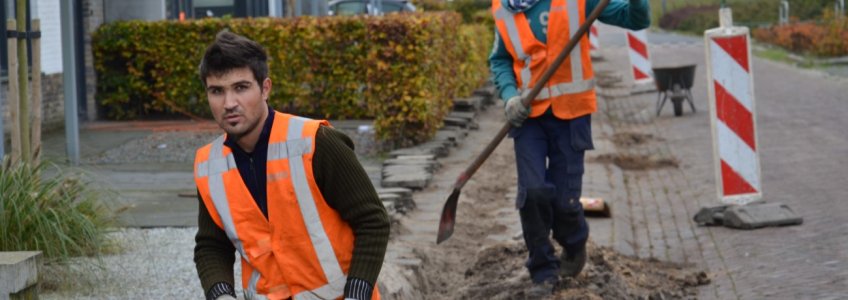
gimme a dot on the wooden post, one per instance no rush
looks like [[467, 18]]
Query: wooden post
[[23, 87], [14, 111], [36, 92]]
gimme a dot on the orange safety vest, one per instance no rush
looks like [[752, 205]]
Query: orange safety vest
[[571, 89], [303, 249]]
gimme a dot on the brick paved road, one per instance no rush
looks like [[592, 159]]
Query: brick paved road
[[804, 155]]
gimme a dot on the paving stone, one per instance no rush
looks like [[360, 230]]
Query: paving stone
[[405, 160], [390, 207], [404, 169], [468, 115], [473, 103], [418, 156], [402, 192], [412, 181], [459, 122], [488, 92], [452, 137], [439, 148], [401, 204], [416, 151], [429, 165], [388, 197]]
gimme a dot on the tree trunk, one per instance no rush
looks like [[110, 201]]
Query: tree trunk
[[14, 111], [36, 93], [23, 87]]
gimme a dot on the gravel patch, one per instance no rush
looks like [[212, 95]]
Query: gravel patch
[[163, 147], [154, 264]]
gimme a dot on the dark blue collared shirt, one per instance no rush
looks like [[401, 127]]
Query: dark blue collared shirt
[[251, 166]]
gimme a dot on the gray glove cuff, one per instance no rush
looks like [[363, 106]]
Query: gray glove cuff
[[219, 289], [356, 288]]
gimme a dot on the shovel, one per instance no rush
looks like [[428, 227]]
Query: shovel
[[448, 219]]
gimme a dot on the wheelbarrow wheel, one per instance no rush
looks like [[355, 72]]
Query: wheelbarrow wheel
[[678, 107]]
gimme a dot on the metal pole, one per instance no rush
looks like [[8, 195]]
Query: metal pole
[[69, 83]]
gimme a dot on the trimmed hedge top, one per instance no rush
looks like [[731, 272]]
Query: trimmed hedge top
[[402, 69]]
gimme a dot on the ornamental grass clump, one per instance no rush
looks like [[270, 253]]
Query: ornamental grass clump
[[57, 214]]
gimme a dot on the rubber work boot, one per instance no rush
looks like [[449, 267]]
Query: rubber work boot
[[542, 289], [572, 264]]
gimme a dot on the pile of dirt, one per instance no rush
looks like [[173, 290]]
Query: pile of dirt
[[638, 162], [499, 273], [626, 139]]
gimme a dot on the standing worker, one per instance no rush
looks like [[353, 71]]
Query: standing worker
[[286, 192], [550, 144]]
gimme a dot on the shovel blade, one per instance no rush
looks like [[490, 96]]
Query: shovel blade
[[448, 220]]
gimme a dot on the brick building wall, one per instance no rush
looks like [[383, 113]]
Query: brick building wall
[[52, 105]]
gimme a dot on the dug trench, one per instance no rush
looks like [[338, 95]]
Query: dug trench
[[484, 259]]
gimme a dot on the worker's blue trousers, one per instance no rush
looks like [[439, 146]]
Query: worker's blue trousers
[[549, 156]]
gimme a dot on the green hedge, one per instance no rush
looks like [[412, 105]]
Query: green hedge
[[403, 70], [699, 15]]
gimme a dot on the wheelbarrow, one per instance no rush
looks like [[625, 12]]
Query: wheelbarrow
[[674, 83]]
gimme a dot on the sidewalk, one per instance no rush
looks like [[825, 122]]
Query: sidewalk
[[654, 201]]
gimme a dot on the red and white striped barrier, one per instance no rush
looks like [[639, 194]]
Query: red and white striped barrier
[[732, 114], [640, 59], [593, 38], [594, 43]]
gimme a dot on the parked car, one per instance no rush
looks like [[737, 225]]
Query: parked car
[[368, 7]]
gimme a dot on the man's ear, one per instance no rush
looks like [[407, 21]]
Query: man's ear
[[266, 88]]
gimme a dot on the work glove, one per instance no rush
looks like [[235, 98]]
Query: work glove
[[516, 113], [225, 297]]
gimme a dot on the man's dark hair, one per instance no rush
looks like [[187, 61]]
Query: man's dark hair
[[231, 51]]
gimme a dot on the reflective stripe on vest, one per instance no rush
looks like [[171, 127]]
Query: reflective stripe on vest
[[562, 89], [515, 39], [578, 85], [292, 149], [320, 241]]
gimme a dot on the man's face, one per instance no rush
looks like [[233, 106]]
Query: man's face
[[237, 102]]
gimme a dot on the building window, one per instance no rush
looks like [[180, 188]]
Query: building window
[[198, 9]]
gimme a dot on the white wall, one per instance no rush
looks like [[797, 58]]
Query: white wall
[[51, 37]]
